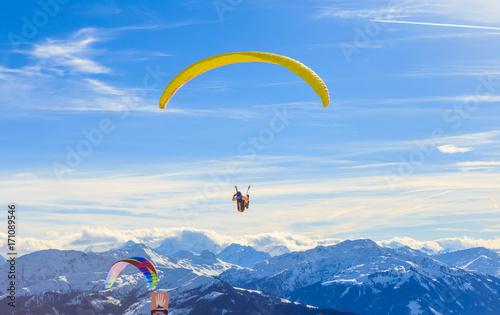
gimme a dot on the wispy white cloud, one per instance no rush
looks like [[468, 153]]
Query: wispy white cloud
[[482, 140], [455, 70], [157, 26], [438, 194], [65, 63], [478, 138], [27, 71], [34, 89], [454, 230], [479, 163], [377, 10], [73, 54], [481, 11], [78, 50], [438, 24], [198, 194], [449, 148], [379, 165], [376, 42], [443, 99], [101, 87]]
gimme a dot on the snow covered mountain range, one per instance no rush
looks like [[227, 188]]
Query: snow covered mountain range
[[357, 277], [480, 259]]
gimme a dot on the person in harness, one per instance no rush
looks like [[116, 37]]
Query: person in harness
[[242, 201]]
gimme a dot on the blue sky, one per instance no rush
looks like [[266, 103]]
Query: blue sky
[[407, 148]]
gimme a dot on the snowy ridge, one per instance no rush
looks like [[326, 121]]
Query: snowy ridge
[[357, 276], [478, 259], [363, 276], [244, 256], [71, 282], [276, 250], [205, 263]]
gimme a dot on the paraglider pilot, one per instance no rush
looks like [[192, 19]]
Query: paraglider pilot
[[243, 202]]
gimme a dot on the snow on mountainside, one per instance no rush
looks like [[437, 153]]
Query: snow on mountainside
[[399, 245], [411, 251], [276, 250], [357, 276], [479, 259], [363, 277], [222, 298], [440, 246], [2, 260], [242, 255], [205, 262], [72, 282]]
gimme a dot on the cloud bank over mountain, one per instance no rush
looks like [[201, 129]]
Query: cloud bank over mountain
[[197, 240]]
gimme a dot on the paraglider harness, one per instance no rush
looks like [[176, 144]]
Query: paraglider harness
[[240, 201]]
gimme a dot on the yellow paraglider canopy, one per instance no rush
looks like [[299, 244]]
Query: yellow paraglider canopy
[[251, 56]]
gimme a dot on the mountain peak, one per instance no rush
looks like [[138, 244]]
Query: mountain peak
[[357, 244], [129, 243], [242, 255]]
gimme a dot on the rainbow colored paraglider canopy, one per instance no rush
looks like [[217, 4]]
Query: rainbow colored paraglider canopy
[[144, 265]]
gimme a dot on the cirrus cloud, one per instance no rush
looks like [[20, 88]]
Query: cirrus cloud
[[449, 148], [479, 163]]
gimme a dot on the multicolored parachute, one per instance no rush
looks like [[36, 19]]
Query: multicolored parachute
[[251, 56], [144, 265]]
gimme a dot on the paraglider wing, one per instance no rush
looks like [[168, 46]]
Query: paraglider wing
[[144, 265], [251, 56]]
